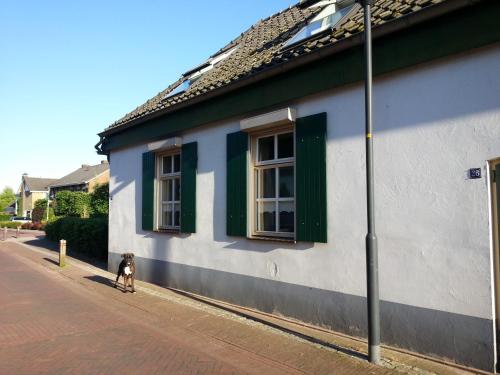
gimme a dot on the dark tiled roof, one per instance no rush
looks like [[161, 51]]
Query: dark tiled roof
[[81, 175], [261, 48], [38, 184]]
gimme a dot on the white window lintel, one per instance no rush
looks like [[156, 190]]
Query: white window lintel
[[165, 144], [280, 117]]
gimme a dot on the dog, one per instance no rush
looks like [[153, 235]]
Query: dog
[[126, 269]]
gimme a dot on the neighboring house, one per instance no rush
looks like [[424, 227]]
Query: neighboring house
[[12, 208], [85, 179], [31, 190], [245, 180]]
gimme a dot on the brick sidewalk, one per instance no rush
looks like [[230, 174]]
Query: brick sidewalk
[[71, 321]]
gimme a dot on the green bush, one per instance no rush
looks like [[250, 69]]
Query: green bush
[[40, 203], [99, 200], [87, 236], [72, 203], [5, 217], [38, 214], [10, 224]]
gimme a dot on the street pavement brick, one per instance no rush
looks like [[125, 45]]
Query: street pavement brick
[[70, 321]]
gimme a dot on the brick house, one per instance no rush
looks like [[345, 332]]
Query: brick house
[[31, 190], [85, 179]]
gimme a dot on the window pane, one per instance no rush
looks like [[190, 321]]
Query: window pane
[[177, 214], [285, 145], [266, 148], [287, 218], [286, 182], [167, 215], [268, 187], [170, 193], [167, 164], [163, 189], [177, 189], [177, 163], [166, 190], [267, 216]]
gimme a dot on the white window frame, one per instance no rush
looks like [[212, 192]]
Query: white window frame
[[329, 10], [255, 167], [160, 178]]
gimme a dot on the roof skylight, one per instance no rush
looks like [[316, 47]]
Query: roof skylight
[[326, 19], [194, 74], [179, 89]]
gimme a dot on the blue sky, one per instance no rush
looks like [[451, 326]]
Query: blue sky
[[70, 68]]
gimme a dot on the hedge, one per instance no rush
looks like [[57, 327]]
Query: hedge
[[5, 217], [88, 236], [10, 224]]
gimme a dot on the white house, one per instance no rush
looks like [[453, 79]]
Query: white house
[[244, 181]]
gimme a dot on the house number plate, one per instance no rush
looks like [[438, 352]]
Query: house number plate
[[475, 173]]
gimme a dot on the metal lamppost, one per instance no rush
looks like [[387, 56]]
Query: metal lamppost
[[371, 238]]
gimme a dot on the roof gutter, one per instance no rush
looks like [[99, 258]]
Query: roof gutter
[[393, 26]]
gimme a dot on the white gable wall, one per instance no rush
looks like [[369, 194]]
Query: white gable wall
[[432, 123]]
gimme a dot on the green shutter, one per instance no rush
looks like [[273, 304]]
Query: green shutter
[[148, 190], [236, 184], [310, 164], [189, 161]]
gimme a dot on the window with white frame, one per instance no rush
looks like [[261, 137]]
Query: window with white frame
[[329, 16], [169, 191], [273, 159]]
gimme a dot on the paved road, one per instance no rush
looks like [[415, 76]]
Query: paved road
[[71, 321]]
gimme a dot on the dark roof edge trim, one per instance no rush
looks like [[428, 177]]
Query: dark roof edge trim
[[195, 69], [423, 15]]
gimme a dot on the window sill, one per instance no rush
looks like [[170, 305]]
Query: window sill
[[168, 231], [272, 238]]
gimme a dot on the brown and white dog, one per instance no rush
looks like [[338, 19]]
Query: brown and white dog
[[126, 269]]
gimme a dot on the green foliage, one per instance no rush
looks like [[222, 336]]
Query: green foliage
[[87, 236], [72, 203], [40, 210], [99, 200], [10, 224], [41, 203], [5, 217], [52, 215], [7, 197], [38, 214]]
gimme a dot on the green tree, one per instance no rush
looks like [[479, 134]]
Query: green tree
[[39, 211], [99, 200], [7, 197], [41, 203]]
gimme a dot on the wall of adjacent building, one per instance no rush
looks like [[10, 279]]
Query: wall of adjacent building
[[29, 199], [433, 122], [103, 178]]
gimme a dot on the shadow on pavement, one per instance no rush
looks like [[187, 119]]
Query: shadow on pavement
[[44, 243], [279, 327], [100, 280], [51, 261], [105, 281]]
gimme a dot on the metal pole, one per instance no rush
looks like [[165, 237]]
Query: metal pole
[[371, 238]]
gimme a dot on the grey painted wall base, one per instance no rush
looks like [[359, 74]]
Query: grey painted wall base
[[466, 340]]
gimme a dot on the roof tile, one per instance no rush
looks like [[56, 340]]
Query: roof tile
[[261, 47]]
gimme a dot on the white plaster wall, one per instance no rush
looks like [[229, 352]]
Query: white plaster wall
[[433, 122]]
